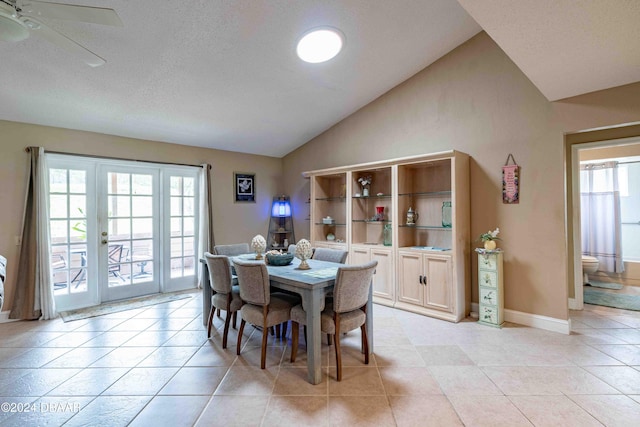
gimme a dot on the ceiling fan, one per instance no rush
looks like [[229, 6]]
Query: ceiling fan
[[21, 18]]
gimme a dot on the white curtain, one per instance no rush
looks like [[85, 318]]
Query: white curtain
[[206, 241], [600, 215], [44, 285]]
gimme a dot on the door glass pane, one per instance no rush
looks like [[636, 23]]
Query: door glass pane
[[118, 183], [176, 206], [77, 181], [142, 184], [77, 206], [188, 248], [57, 180], [176, 247], [176, 267], [175, 183], [188, 206], [142, 228], [188, 226], [142, 206], [57, 206], [119, 206], [176, 226], [59, 231], [119, 228], [189, 186]]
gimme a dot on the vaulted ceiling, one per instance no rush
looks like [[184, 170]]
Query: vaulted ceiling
[[224, 74]]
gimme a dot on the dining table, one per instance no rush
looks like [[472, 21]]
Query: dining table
[[312, 285]]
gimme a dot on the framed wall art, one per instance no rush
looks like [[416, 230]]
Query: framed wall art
[[245, 187]]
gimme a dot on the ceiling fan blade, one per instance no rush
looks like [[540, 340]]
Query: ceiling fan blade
[[41, 30], [69, 12]]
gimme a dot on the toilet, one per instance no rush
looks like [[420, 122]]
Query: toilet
[[589, 265]]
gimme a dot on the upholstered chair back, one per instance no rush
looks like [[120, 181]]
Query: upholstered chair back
[[219, 272], [351, 290], [232, 250], [253, 279], [331, 255]]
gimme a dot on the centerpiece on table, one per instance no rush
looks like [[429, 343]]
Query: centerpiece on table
[[259, 245], [303, 253], [278, 258]]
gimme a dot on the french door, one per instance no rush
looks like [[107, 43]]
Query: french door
[[129, 227], [120, 230]]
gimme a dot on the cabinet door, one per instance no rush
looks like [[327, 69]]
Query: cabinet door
[[409, 272], [438, 293], [359, 256], [383, 279]]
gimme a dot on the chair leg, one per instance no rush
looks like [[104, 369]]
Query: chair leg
[[284, 329], [278, 331], [337, 347], [235, 317], [240, 337], [219, 314], [263, 356], [227, 321], [295, 332], [305, 334], [210, 322], [329, 339], [365, 343]]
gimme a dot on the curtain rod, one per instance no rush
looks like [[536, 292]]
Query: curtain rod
[[27, 149], [626, 163]]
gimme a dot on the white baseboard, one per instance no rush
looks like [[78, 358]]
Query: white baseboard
[[534, 320], [4, 317]]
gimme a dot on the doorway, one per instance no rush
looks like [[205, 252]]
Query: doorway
[[120, 229], [625, 153]]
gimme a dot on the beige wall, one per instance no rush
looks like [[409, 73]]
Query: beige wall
[[477, 101], [233, 222]]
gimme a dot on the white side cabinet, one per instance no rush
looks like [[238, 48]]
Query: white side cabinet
[[491, 287]]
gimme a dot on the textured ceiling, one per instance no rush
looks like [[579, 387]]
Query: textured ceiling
[[566, 47], [223, 74]]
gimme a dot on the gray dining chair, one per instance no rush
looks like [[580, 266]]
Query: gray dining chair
[[232, 250], [261, 308], [347, 311], [331, 255], [291, 249], [225, 296]]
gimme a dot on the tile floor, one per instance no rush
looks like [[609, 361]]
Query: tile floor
[[155, 367]]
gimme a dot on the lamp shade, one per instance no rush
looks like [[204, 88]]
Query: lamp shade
[[281, 207]]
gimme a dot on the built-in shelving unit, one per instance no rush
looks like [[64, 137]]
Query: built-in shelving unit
[[423, 266]]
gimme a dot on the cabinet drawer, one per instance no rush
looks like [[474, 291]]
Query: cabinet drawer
[[488, 279], [487, 262], [488, 314], [488, 296]]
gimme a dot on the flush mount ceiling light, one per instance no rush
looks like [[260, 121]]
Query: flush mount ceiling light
[[11, 28], [320, 44]]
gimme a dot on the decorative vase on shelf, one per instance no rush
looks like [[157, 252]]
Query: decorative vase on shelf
[[446, 214], [303, 253], [259, 245], [490, 245], [386, 235], [365, 192]]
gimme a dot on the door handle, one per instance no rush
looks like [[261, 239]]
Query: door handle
[[104, 241]]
